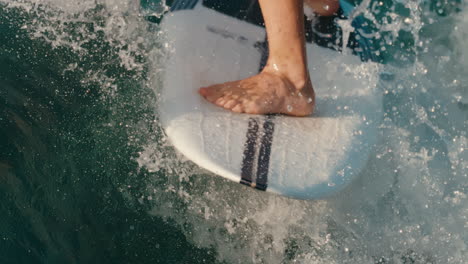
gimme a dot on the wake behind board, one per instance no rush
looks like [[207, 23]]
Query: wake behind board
[[305, 158]]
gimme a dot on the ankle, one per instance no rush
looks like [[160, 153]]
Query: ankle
[[294, 74]]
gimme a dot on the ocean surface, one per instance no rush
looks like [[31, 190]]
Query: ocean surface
[[86, 175]]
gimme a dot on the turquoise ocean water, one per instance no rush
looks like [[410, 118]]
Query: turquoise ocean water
[[86, 175]]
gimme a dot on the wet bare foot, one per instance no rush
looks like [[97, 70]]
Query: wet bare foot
[[264, 93]]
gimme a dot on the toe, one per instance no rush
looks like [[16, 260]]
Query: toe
[[213, 94], [237, 108], [220, 101], [203, 91], [230, 104]]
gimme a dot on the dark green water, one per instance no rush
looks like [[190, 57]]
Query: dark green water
[[67, 150], [86, 177]]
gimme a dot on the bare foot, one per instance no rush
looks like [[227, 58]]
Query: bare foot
[[264, 93], [283, 86]]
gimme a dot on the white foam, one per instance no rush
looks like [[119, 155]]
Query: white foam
[[409, 204], [74, 24]]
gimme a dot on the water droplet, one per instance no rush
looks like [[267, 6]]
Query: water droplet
[[408, 20]]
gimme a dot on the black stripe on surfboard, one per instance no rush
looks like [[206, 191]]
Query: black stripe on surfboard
[[250, 148], [251, 175], [264, 153], [251, 144]]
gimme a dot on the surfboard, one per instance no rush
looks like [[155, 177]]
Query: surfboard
[[299, 157]]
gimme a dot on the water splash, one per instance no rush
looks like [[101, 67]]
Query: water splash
[[409, 201], [408, 206]]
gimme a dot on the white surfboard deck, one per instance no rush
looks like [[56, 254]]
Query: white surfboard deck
[[305, 158]]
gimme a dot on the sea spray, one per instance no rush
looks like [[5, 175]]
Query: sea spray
[[409, 205]]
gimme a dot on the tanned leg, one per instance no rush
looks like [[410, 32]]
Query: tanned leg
[[284, 84]]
